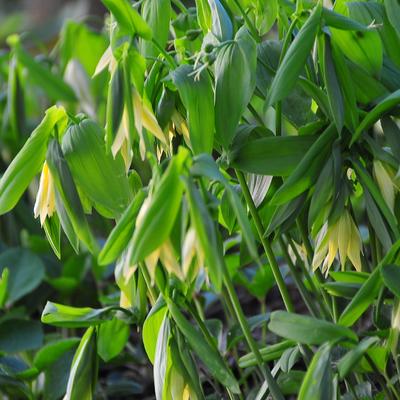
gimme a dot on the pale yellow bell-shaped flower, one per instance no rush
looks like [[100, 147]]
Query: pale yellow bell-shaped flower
[[341, 238], [123, 273], [180, 390], [122, 141], [45, 203], [145, 118], [166, 253]]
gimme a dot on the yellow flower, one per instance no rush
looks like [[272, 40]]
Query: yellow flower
[[343, 238], [122, 141], [166, 254], [45, 198], [180, 390]]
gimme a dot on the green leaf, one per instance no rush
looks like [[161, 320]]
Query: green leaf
[[391, 278], [364, 48], [235, 80], [295, 58], [20, 335], [52, 228], [332, 85], [128, 18], [77, 41], [98, 174], [346, 364], [393, 13], [339, 21], [368, 291], [308, 169], [276, 155], [367, 181], [162, 360], [377, 112], [308, 330], [51, 352], [75, 317], [206, 234], [115, 104], [152, 326], [25, 272], [112, 338], [198, 98], [66, 188], [83, 373], [28, 161], [119, 237], [204, 18], [157, 14], [268, 353], [159, 218], [221, 24], [53, 85], [4, 286], [209, 356], [348, 90], [318, 382]]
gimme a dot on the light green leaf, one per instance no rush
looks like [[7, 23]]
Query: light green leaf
[[128, 18], [28, 161], [51, 352], [308, 330], [151, 327], [121, 234], [198, 98], [159, 218], [83, 373], [75, 317], [111, 338]]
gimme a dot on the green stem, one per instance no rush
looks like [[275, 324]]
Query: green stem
[[152, 292], [297, 280], [266, 244], [273, 386], [324, 309], [170, 60], [181, 6], [249, 24]]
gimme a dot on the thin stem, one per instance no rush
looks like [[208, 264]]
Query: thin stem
[[297, 280], [273, 386], [181, 6], [324, 309], [267, 246], [151, 291], [249, 24], [170, 60]]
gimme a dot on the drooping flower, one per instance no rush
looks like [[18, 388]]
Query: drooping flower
[[341, 238], [45, 203]]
